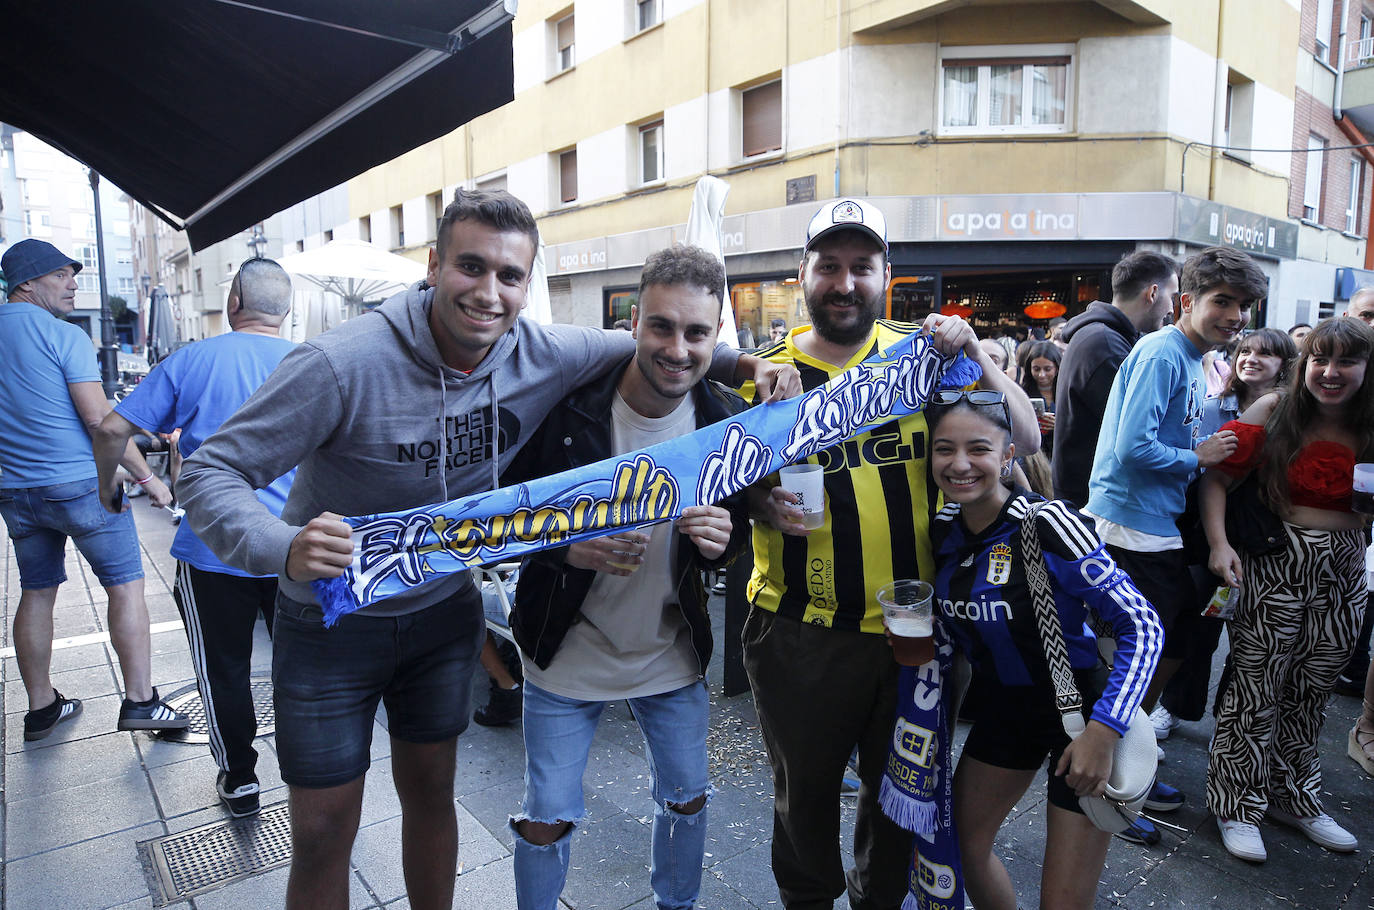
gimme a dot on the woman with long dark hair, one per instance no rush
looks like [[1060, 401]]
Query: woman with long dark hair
[[1298, 609], [1039, 378]]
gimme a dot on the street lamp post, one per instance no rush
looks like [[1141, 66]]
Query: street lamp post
[[109, 351]]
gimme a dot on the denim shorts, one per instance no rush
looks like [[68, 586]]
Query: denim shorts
[[326, 683], [40, 519]]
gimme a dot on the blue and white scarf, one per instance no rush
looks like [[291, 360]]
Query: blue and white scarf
[[395, 551], [918, 783]]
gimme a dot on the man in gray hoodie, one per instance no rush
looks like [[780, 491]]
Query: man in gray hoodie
[[422, 401]]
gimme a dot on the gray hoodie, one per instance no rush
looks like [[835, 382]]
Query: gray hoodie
[[377, 423]]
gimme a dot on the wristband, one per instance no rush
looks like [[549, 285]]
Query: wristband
[[144, 480]]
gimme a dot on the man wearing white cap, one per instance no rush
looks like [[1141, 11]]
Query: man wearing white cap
[[822, 674], [50, 401]]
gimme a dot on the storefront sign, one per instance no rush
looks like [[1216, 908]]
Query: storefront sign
[[1040, 217], [985, 219], [1213, 224], [577, 256]]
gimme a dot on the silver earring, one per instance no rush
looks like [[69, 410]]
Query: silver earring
[[1006, 470]]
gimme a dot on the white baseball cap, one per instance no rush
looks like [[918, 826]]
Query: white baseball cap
[[847, 214]]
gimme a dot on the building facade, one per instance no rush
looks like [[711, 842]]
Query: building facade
[[1019, 149]]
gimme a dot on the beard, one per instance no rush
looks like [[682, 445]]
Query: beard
[[846, 326]]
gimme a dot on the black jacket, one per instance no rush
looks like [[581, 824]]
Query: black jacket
[[549, 595], [1099, 339]]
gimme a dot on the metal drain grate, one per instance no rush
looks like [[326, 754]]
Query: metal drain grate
[[202, 859], [187, 701]]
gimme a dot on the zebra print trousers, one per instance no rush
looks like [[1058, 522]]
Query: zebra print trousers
[[1294, 629]]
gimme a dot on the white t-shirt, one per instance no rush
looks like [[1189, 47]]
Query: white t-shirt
[[630, 639]]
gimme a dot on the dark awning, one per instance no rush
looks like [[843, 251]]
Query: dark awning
[[217, 114]]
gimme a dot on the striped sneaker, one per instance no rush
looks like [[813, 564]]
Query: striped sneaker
[[38, 724], [153, 714]]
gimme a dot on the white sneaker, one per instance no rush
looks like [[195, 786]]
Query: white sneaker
[[1320, 829], [1242, 840], [1163, 721]]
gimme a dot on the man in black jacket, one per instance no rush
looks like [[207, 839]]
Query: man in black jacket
[[1144, 285], [624, 616]]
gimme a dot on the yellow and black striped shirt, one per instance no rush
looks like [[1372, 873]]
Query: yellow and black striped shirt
[[880, 501]]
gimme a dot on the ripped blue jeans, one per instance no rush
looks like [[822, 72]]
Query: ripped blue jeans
[[558, 737]]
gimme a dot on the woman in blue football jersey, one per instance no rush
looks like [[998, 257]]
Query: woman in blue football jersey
[[984, 600]]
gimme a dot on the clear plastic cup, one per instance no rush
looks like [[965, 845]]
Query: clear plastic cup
[[807, 483], [907, 613]]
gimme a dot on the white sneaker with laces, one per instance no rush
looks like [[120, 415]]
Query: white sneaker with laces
[[1163, 721], [1320, 829], [1242, 840]]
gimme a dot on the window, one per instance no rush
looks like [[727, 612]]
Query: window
[[1324, 31], [126, 288], [1005, 94], [1352, 204], [328, 236], [83, 225], [88, 279], [567, 176], [1312, 186], [651, 152], [434, 202], [200, 282], [761, 118], [1240, 110], [365, 229], [491, 184], [35, 192], [564, 54], [39, 224], [646, 14], [398, 227]]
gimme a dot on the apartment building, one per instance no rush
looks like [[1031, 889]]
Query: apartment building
[[1019, 150], [1329, 195]]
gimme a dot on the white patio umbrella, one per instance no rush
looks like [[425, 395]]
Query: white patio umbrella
[[537, 305], [355, 270], [703, 229]]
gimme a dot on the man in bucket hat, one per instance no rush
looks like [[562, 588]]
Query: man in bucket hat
[[50, 400]]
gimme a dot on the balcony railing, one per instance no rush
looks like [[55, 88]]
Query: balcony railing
[[1360, 53]]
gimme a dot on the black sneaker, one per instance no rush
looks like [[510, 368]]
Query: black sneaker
[[1141, 832], [38, 724], [153, 714], [501, 709], [1349, 685], [241, 801]]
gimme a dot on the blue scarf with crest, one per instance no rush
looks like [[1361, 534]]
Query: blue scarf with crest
[[918, 782], [396, 551]]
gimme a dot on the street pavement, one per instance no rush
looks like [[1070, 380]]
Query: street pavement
[[77, 804]]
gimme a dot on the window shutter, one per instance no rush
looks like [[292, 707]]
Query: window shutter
[[762, 116]]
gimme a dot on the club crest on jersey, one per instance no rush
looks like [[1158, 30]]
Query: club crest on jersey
[[999, 564]]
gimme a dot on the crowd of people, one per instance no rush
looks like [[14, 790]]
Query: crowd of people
[[1091, 470]]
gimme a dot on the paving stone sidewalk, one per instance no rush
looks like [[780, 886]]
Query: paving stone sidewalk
[[77, 805]]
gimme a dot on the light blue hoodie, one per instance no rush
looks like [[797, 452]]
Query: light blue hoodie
[[1144, 456]]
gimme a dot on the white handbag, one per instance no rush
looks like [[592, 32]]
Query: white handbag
[[1135, 758]]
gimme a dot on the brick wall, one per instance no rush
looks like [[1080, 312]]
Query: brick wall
[[1311, 116]]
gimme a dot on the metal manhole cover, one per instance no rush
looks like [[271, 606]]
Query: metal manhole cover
[[201, 859], [187, 701]]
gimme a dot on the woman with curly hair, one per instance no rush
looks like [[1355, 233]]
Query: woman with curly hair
[[1299, 608]]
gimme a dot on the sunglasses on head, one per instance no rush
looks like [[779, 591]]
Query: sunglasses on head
[[975, 397]]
